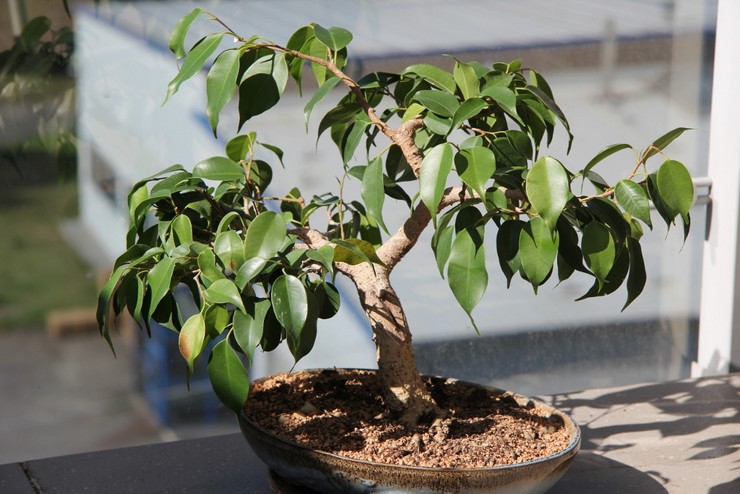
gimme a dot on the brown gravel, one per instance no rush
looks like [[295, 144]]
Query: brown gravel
[[482, 429]]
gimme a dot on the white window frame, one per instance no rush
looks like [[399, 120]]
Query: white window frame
[[719, 324]]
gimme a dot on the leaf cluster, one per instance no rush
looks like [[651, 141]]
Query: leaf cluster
[[465, 153], [36, 82]]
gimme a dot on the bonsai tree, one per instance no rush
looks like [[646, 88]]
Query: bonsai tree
[[461, 150]]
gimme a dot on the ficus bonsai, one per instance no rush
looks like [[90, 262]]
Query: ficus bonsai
[[461, 150]]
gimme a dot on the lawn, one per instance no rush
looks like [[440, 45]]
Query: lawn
[[40, 272]]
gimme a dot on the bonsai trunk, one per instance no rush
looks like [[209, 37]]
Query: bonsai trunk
[[404, 390]]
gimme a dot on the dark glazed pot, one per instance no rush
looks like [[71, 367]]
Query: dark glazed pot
[[328, 473]]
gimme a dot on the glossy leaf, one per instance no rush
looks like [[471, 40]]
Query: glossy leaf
[[159, 279], [637, 273], [218, 168], [182, 229], [257, 94], [355, 251], [434, 75], [442, 246], [194, 61], [224, 291], [334, 38], [324, 256], [177, 37], [634, 200], [435, 168], [221, 84], [248, 271], [265, 235], [599, 250], [663, 141], [290, 303], [538, 249], [372, 191], [248, 325], [240, 146], [504, 96], [466, 270], [675, 187], [319, 95], [192, 338], [228, 376], [229, 247], [603, 154], [468, 109], [548, 189], [475, 166], [507, 248], [466, 79], [441, 103]]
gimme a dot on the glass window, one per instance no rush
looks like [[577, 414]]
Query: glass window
[[623, 71]]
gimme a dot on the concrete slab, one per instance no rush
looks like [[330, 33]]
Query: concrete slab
[[14, 481]]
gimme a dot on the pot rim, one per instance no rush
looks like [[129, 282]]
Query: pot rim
[[569, 451]]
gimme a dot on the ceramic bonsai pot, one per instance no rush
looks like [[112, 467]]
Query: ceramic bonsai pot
[[329, 473]]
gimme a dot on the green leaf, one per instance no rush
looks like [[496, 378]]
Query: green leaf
[[299, 41], [228, 376], [334, 38], [355, 251], [327, 298], [194, 61], [538, 249], [466, 79], [353, 137], [434, 75], [373, 193], [217, 318], [224, 291], [319, 95], [675, 187], [507, 247], [257, 94], [220, 84], [229, 247], [475, 166], [159, 279], [442, 246], [247, 272], [177, 37], [504, 96], [548, 189], [469, 108], [439, 102], [265, 235], [240, 146], [324, 256], [248, 326], [435, 168], [637, 274], [218, 168], [192, 338], [466, 270], [603, 154], [182, 229], [290, 303], [634, 200], [599, 250], [662, 142]]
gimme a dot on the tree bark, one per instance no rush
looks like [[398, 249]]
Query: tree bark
[[405, 392]]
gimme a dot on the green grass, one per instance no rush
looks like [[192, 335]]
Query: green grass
[[39, 272]]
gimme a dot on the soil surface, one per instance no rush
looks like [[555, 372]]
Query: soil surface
[[343, 413]]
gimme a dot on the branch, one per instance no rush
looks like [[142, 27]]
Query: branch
[[401, 242]]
